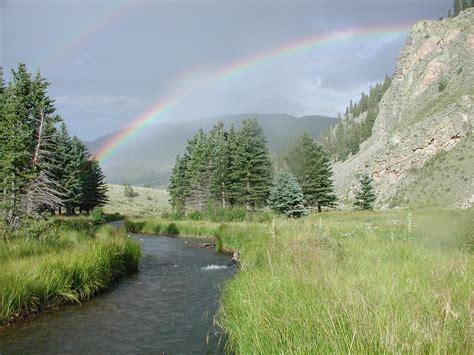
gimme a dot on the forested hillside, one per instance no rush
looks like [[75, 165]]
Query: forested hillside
[[356, 125]]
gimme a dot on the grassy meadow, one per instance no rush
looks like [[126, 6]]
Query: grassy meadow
[[344, 282], [149, 201], [68, 260]]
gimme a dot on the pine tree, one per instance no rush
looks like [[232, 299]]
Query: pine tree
[[199, 171], [93, 187], [73, 179], [287, 197], [310, 164], [365, 196], [252, 165], [63, 159], [16, 145], [219, 164], [450, 14], [179, 184], [44, 190], [465, 4], [236, 188], [456, 7]]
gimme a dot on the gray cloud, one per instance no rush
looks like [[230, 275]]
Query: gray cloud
[[108, 66]]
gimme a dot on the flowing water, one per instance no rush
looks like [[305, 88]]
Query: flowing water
[[167, 307]]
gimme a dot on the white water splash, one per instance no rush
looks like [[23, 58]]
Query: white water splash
[[214, 267]]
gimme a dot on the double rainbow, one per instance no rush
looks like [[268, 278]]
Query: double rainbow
[[161, 107]]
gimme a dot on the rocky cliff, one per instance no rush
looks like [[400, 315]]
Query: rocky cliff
[[426, 113]]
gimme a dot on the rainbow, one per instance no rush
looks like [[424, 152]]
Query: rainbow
[[163, 106], [81, 38]]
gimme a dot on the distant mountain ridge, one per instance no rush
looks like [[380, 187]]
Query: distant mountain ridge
[[149, 158]]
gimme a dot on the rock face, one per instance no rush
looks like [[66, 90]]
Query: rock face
[[429, 109]]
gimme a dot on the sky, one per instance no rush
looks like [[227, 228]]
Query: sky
[[108, 61]]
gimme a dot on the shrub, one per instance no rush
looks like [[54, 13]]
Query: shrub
[[129, 192], [97, 215]]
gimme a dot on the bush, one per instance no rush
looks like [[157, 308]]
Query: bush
[[443, 83], [98, 216], [129, 192]]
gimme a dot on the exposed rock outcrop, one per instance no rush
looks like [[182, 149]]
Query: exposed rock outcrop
[[429, 108]]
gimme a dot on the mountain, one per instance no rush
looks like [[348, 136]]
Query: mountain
[[421, 151], [149, 158]]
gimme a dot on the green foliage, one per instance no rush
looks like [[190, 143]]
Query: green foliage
[[42, 168], [98, 216], [221, 168], [287, 197], [309, 163], [345, 139], [365, 196]]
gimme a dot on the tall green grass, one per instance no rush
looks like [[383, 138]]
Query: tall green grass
[[71, 267], [347, 282]]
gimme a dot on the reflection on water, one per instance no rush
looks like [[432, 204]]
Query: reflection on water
[[167, 307]]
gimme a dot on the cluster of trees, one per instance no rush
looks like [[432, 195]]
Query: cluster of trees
[[233, 167], [223, 167], [458, 6], [351, 130], [42, 168]]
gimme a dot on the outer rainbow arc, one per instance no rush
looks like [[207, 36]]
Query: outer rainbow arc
[[157, 110]]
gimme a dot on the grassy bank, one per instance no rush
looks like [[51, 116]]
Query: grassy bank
[[71, 262], [346, 282]]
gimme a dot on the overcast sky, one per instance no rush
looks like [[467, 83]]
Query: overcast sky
[[108, 61]]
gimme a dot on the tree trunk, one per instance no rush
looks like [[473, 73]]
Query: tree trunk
[[319, 208]]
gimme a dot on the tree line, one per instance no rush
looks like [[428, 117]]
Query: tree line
[[233, 168], [352, 130], [42, 168], [458, 6]]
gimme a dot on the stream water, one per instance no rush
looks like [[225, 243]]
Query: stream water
[[167, 307]]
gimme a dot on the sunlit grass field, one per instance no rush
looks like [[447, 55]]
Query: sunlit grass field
[[68, 265], [148, 202], [345, 282]]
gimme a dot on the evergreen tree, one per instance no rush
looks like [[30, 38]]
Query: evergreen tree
[[220, 164], [74, 174], [236, 188], [365, 196], [16, 145], [457, 7], [179, 184], [199, 171], [253, 170], [44, 191], [287, 197], [93, 187], [310, 164], [63, 159], [450, 14], [465, 4]]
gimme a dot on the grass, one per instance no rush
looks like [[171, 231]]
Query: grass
[[346, 282], [441, 180], [149, 202], [68, 265]]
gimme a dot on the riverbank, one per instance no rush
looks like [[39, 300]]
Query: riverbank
[[70, 262], [343, 282]]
